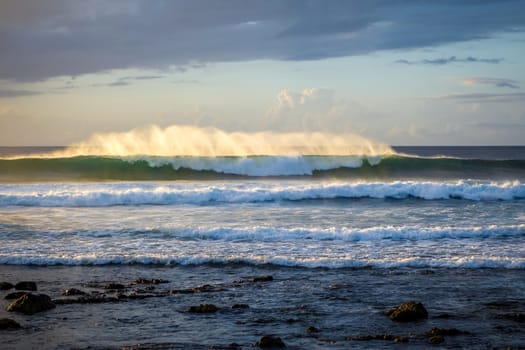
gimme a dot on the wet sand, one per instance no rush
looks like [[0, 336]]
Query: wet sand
[[306, 308]]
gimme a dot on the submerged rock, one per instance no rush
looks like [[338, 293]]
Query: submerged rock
[[7, 323], [31, 303], [150, 281], [515, 316], [26, 285], [270, 342], [407, 312], [312, 329], [435, 331], [90, 299], [6, 285], [436, 339], [388, 337], [114, 286], [73, 291], [203, 309], [263, 279], [14, 295], [205, 288]]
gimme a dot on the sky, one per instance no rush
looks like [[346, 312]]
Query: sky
[[402, 72]]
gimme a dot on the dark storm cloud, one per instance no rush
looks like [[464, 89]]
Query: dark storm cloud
[[452, 59], [41, 39]]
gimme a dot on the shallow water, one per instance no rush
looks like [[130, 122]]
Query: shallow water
[[341, 303]]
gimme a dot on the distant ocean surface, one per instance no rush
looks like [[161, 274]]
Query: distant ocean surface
[[454, 207]]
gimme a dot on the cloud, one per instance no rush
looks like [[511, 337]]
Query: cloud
[[144, 77], [125, 81], [485, 97], [504, 126], [70, 38], [452, 59], [186, 82], [496, 82], [312, 109], [7, 93]]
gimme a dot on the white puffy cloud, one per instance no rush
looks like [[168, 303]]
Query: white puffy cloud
[[312, 109]]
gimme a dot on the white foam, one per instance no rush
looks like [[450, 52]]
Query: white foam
[[468, 262], [111, 194], [344, 234]]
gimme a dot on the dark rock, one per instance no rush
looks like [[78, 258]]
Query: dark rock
[[7, 323], [443, 331], [407, 312], [203, 309], [14, 295], [150, 281], [270, 342], [73, 291], [88, 299], [204, 289], [361, 337], [262, 279], [437, 339], [114, 286], [388, 337], [240, 306], [401, 339], [312, 329], [31, 303], [515, 316], [6, 285], [25, 285], [503, 304], [181, 291]]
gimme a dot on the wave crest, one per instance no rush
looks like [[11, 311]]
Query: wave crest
[[108, 194]]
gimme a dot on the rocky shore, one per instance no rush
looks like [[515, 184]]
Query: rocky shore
[[238, 309]]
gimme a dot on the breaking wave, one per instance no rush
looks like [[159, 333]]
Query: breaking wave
[[140, 168], [129, 193]]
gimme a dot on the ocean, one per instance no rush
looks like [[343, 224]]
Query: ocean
[[444, 225]]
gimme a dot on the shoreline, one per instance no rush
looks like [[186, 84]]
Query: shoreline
[[344, 307]]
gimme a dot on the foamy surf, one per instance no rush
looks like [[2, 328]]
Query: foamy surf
[[111, 194], [330, 263]]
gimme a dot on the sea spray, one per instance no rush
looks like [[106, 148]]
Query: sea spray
[[180, 140]]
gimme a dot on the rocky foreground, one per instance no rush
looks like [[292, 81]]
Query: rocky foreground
[[24, 298]]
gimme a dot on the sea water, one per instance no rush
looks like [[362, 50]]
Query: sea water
[[404, 210], [360, 222]]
